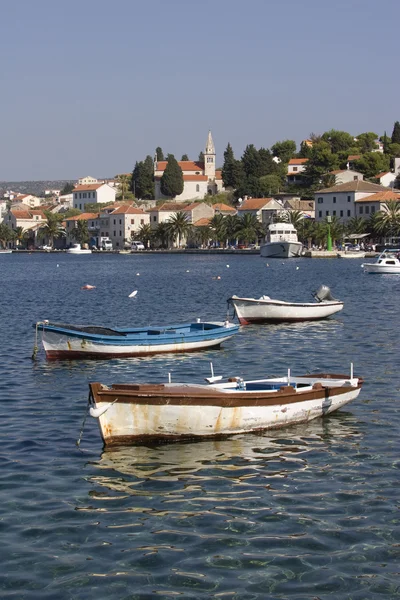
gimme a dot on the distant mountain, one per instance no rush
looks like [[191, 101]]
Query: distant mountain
[[36, 188]]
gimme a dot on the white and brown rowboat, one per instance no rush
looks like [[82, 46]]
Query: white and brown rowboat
[[130, 413]]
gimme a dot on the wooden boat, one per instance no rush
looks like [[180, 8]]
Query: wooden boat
[[281, 242], [80, 341], [129, 413], [77, 249], [267, 310], [387, 262]]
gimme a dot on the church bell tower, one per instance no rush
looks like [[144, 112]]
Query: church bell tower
[[209, 158]]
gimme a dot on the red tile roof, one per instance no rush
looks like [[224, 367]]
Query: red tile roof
[[185, 165], [220, 206], [87, 187], [381, 197], [254, 203], [381, 174], [126, 209], [353, 157], [170, 207], [83, 217], [204, 222], [298, 161]]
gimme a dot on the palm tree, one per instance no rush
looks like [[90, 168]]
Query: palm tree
[[295, 217], [53, 228], [80, 232], [306, 230], [356, 225], [145, 234], [178, 226], [232, 224], [20, 235], [124, 185], [5, 234], [161, 233], [250, 228], [218, 226], [387, 220], [201, 234]]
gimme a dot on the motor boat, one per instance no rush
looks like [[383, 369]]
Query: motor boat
[[387, 262], [77, 249], [281, 242]]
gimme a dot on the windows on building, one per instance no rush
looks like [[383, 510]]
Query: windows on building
[[327, 213], [341, 213], [132, 221], [348, 198], [320, 213], [334, 213], [294, 168], [361, 210], [334, 199], [349, 213], [197, 188], [372, 209], [320, 200], [367, 210]]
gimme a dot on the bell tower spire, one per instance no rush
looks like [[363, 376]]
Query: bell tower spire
[[209, 158]]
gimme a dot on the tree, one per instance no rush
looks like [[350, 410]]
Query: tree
[[185, 157], [124, 187], [53, 228], [284, 150], [295, 217], [232, 224], [159, 154], [394, 150], [396, 133], [356, 225], [172, 180], [252, 162], [201, 157], [339, 141], [145, 234], [372, 163], [142, 181], [161, 233], [270, 184], [321, 162], [386, 143], [218, 227], [19, 235], [366, 142], [387, 220], [80, 232], [67, 189], [249, 228], [232, 169], [305, 150], [5, 234], [178, 226]]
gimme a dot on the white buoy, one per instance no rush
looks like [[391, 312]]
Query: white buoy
[[137, 273], [187, 271], [227, 266], [58, 265], [132, 294], [297, 268]]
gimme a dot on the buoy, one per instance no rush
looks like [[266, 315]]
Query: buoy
[[58, 265], [218, 277], [137, 273], [227, 266], [187, 271], [267, 265], [133, 294], [297, 268], [88, 287]]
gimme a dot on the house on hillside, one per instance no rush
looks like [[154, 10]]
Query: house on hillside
[[31, 220], [199, 178], [346, 175], [340, 200], [351, 159], [387, 178], [307, 207], [93, 224], [88, 180], [223, 209], [265, 209], [123, 224], [194, 212], [92, 193], [296, 167]]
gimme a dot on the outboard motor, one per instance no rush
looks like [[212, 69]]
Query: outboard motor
[[323, 294]]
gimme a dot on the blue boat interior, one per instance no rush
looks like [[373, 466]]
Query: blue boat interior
[[259, 386]]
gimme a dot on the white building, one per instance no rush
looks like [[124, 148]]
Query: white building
[[194, 212], [339, 200], [122, 225], [386, 178], [87, 180], [296, 167], [93, 193], [199, 178], [346, 175], [367, 206]]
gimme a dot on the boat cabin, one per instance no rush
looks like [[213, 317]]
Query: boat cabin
[[281, 232]]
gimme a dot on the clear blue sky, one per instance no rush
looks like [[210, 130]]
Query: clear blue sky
[[88, 87]]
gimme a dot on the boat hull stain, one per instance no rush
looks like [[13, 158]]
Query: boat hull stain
[[183, 417]]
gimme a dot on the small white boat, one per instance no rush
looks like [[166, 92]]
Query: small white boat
[[281, 242], [5, 251], [77, 249], [387, 262], [135, 412], [267, 310]]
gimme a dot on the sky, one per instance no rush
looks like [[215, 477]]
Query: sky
[[89, 87]]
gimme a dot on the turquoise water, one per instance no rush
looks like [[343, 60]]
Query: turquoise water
[[306, 512]]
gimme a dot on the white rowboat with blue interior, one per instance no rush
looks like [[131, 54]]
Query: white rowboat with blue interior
[[90, 341]]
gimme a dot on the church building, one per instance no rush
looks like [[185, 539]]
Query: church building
[[199, 178]]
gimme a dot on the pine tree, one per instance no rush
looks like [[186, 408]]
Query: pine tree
[[201, 157], [231, 170], [159, 153], [396, 133], [143, 179], [172, 179], [185, 157]]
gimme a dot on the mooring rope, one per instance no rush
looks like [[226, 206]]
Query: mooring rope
[[78, 441]]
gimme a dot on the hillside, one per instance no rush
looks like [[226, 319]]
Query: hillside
[[36, 188]]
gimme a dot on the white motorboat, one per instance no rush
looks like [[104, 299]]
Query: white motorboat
[[5, 251], [77, 249], [387, 262], [140, 412], [267, 310], [281, 242]]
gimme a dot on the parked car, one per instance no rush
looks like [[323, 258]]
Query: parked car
[[137, 245]]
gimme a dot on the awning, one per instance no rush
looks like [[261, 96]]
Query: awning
[[356, 236]]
